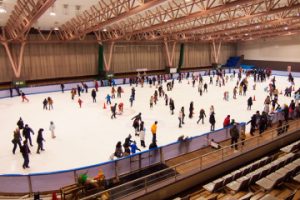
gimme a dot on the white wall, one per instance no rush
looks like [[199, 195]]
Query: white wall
[[285, 48]]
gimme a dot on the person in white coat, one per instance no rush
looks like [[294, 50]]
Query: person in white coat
[[52, 129]]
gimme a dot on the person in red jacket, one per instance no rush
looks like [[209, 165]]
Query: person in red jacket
[[226, 121]]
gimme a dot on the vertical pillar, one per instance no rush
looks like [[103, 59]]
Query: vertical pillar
[[101, 70], [107, 63], [170, 55], [16, 65], [216, 51], [181, 56]]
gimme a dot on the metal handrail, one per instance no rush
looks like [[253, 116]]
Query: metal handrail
[[199, 158]]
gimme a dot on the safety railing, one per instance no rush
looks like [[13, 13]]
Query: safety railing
[[50, 181], [179, 171]]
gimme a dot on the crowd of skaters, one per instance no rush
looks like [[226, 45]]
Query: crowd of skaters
[[258, 121], [25, 139]]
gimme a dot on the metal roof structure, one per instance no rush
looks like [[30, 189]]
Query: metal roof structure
[[148, 20]]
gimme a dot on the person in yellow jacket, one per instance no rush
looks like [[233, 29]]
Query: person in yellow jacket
[[153, 130]]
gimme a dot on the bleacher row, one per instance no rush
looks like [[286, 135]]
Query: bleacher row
[[263, 175]]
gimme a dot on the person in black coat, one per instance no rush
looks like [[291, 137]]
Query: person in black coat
[[78, 90], [212, 121], [40, 140], [94, 94], [253, 124], [20, 124], [62, 87], [191, 109], [26, 133], [250, 103], [172, 106], [45, 103], [25, 153], [183, 114], [113, 111], [17, 140], [263, 122]]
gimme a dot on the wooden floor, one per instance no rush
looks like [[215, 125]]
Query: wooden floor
[[215, 156]]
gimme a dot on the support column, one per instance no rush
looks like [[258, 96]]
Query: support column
[[107, 63], [104, 64], [216, 52], [16, 65], [181, 56], [170, 55]]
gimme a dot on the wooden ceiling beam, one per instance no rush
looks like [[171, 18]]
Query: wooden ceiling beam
[[26, 12]]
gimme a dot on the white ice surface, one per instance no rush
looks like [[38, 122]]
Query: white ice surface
[[88, 136]]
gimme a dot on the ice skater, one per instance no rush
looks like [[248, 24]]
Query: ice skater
[[113, 111], [172, 106], [183, 114], [151, 102], [205, 87], [79, 90], [94, 94], [113, 92], [45, 104], [20, 123], [249, 103], [133, 147], [24, 98], [212, 121], [26, 134], [50, 103], [142, 134], [153, 131], [25, 153], [52, 129], [17, 140], [62, 87], [131, 99], [40, 141], [80, 102], [108, 99], [201, 116], [73, 93], [180, 116], [191, 109]]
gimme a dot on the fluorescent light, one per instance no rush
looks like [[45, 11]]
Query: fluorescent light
[[2, 10]]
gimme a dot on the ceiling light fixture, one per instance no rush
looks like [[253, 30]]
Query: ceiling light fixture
[[246, 34], [2, 9], [104, 29], [286, 28], [165, 20], [52, 13]]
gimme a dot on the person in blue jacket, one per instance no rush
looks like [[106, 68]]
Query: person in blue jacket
[[134, 147]]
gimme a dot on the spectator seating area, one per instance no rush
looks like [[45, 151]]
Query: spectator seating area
[[232, 61], [272, 177]]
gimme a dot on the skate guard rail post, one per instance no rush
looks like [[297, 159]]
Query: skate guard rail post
[[45, 182], [182, 170], [120, 81]]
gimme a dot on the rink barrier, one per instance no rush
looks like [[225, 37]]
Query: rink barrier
[[156, 180], [52, 181], [68, 86]]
